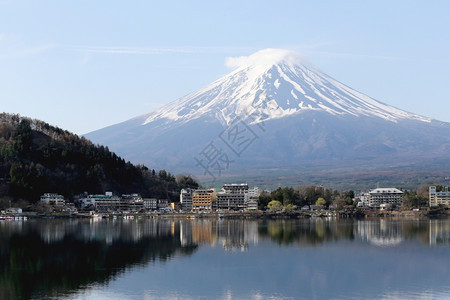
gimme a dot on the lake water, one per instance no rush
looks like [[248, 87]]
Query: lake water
[[225, 259]]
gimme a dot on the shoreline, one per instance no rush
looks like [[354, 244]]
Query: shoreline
[[250, 215]]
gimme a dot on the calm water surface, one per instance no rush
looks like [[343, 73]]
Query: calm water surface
[[225, 259]]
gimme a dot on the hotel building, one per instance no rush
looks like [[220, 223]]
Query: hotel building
[[380, 196], [204, 199], [435, 198]]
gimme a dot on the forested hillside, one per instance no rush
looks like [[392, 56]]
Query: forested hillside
[[36, 157]]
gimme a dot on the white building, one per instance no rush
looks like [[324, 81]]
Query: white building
[[132, 202], [13, 210], [150, 203], [380, 196], [101, 202], [251, 199], [232, 196], [53, 199], [107, 202], [363, 199], [186, 199], [163, 203]]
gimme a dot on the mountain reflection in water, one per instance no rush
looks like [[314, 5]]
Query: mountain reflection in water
[[57, 258], [50, 258]]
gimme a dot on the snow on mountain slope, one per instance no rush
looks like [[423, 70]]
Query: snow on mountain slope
[[278, 83], [293, 114]]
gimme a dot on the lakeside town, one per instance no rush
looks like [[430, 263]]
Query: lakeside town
[[233, 199]]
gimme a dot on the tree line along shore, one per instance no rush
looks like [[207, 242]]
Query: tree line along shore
[[36, 157]]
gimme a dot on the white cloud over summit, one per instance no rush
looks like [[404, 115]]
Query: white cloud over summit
[[268, 56]]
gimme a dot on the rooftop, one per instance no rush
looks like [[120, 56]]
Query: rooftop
[[385, 190]]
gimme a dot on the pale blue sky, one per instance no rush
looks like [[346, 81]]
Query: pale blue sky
[[84, 65]]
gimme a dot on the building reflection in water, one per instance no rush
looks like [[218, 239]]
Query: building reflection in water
[[235, 235], [232, 235], [59, 257], [71, 254], [380, 233], [439, 232], [203, 232], [107, 231]]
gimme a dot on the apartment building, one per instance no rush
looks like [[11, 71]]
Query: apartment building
[[435, 198], [186, 199], [379, 196], [232, 196], [204, 199]]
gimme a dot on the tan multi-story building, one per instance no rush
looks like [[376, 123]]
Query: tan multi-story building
[[204, 199], [435, 198]]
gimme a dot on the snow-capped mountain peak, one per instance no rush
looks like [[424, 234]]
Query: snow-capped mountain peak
[[275, 83], [310, 121], [262, 60]]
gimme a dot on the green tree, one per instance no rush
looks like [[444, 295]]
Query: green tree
[[263, 200], [348, 197], [290, 207], [286, 195], [350, 194], [328, 196], [186, 182], [274, 205], [310, 195], [23, 138], [411, 199], [162, 174], [321, 202]]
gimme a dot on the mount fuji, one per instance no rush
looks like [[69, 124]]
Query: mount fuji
[[275, 110]]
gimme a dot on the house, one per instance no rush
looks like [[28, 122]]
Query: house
[[13, 210], [163, 203]]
